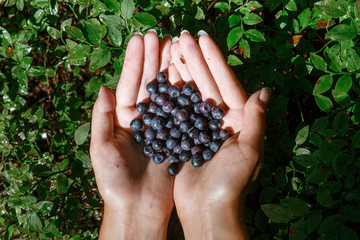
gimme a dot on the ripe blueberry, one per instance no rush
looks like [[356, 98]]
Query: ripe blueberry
[[173, 169], [158, 157], [152, 87], [218, 112], [148, 151], [196, 161], [157, 123], [150, 134], [188, 88], [174, 91], [205, 107], [141, 107], [224, 134], [182, 115], [157, 145], [161, 77], [185, 156], [139, 136], [195, 97], [207, 154], [136, 124]]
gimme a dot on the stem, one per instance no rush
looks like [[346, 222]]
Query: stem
[[42, 179], [301, 113]]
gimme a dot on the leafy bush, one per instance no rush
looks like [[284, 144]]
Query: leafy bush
[[55, 55]]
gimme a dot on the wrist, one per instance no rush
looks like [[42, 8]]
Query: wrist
[[128, 224]]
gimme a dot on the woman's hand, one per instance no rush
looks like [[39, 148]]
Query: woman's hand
[[208, 199], [137, 193]]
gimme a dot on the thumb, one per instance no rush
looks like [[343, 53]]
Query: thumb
[[102, 124], [253, 130]]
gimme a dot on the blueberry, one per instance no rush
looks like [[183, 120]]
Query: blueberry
[[158, 157], [153, 96], [171, 143], [139, 136], [150, 134], [184, 127], [173, 169], [166, 151], [214, 146], [161, 113], [147, 117], [152, 87], [197, 108], [162, 134], [224, 134], [208, 116], [185, 156], [204, 137], [195, 97], [192, 117], [169, 124], [196, 161], [174, 158], [176, 121], [177, 149], [136, 124], [200, 123], [142, 107], [168, 106], [184, 136], [207, 154], [157, 145], [188, 88], [194, 133], [215, 135], [205, 107], [161, 77], [214, 124], [161, 99], [182, 115], [196, 149], [183, 100], [148, 141], [186, 144], [164, 87], [175, 133], [174, 91], [157, 123], [197, 141], [152, 107], [148, 151], [218, 112]]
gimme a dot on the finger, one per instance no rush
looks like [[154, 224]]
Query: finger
[[230, 88], [128, 86], [165, 53], [198, 68], [102, 124], [252, 133], [151, 63], [179, 61], [174, 76]]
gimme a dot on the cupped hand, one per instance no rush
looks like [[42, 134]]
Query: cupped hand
[[208, 198], [136, 191]]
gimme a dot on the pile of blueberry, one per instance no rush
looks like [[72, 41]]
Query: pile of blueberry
[[178, 125]]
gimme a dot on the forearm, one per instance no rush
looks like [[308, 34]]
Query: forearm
[[220, 222], [118, 225]]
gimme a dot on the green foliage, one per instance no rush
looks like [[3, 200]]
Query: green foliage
[[56, 54]]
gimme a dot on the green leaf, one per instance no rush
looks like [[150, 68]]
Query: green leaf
[[313, 221], [296, 206], [340, 123], [74, 32], [291, 5], [318, 175], [146, 18], [5, 37], [318, 62], [347, 233], [234, 36], [53, 32], [39, 14], [276, 213], [305, 17], [305, 160], [127, 8], [331, 8], [350, 213], [356, 140], [94, 30], [352, 60], [234, 20], [223, 6], [99, 58], [252, 19], [324, 103], [234, 60], [34, 222], [323, 84], [65, 23], [324, 198], [113, 5], [246, 47], [254, 35], [341, 32], [26, 62], [302, 135], [82, 133], [62, 184], [114, 35], [45, 207], [20, 5]]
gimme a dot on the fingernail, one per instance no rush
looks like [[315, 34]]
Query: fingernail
[[202, 32], [171, 62], [265, 94], [138, 33], [184, 31], [101, 89], [167, 35], [152, 30], [175, 39]]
